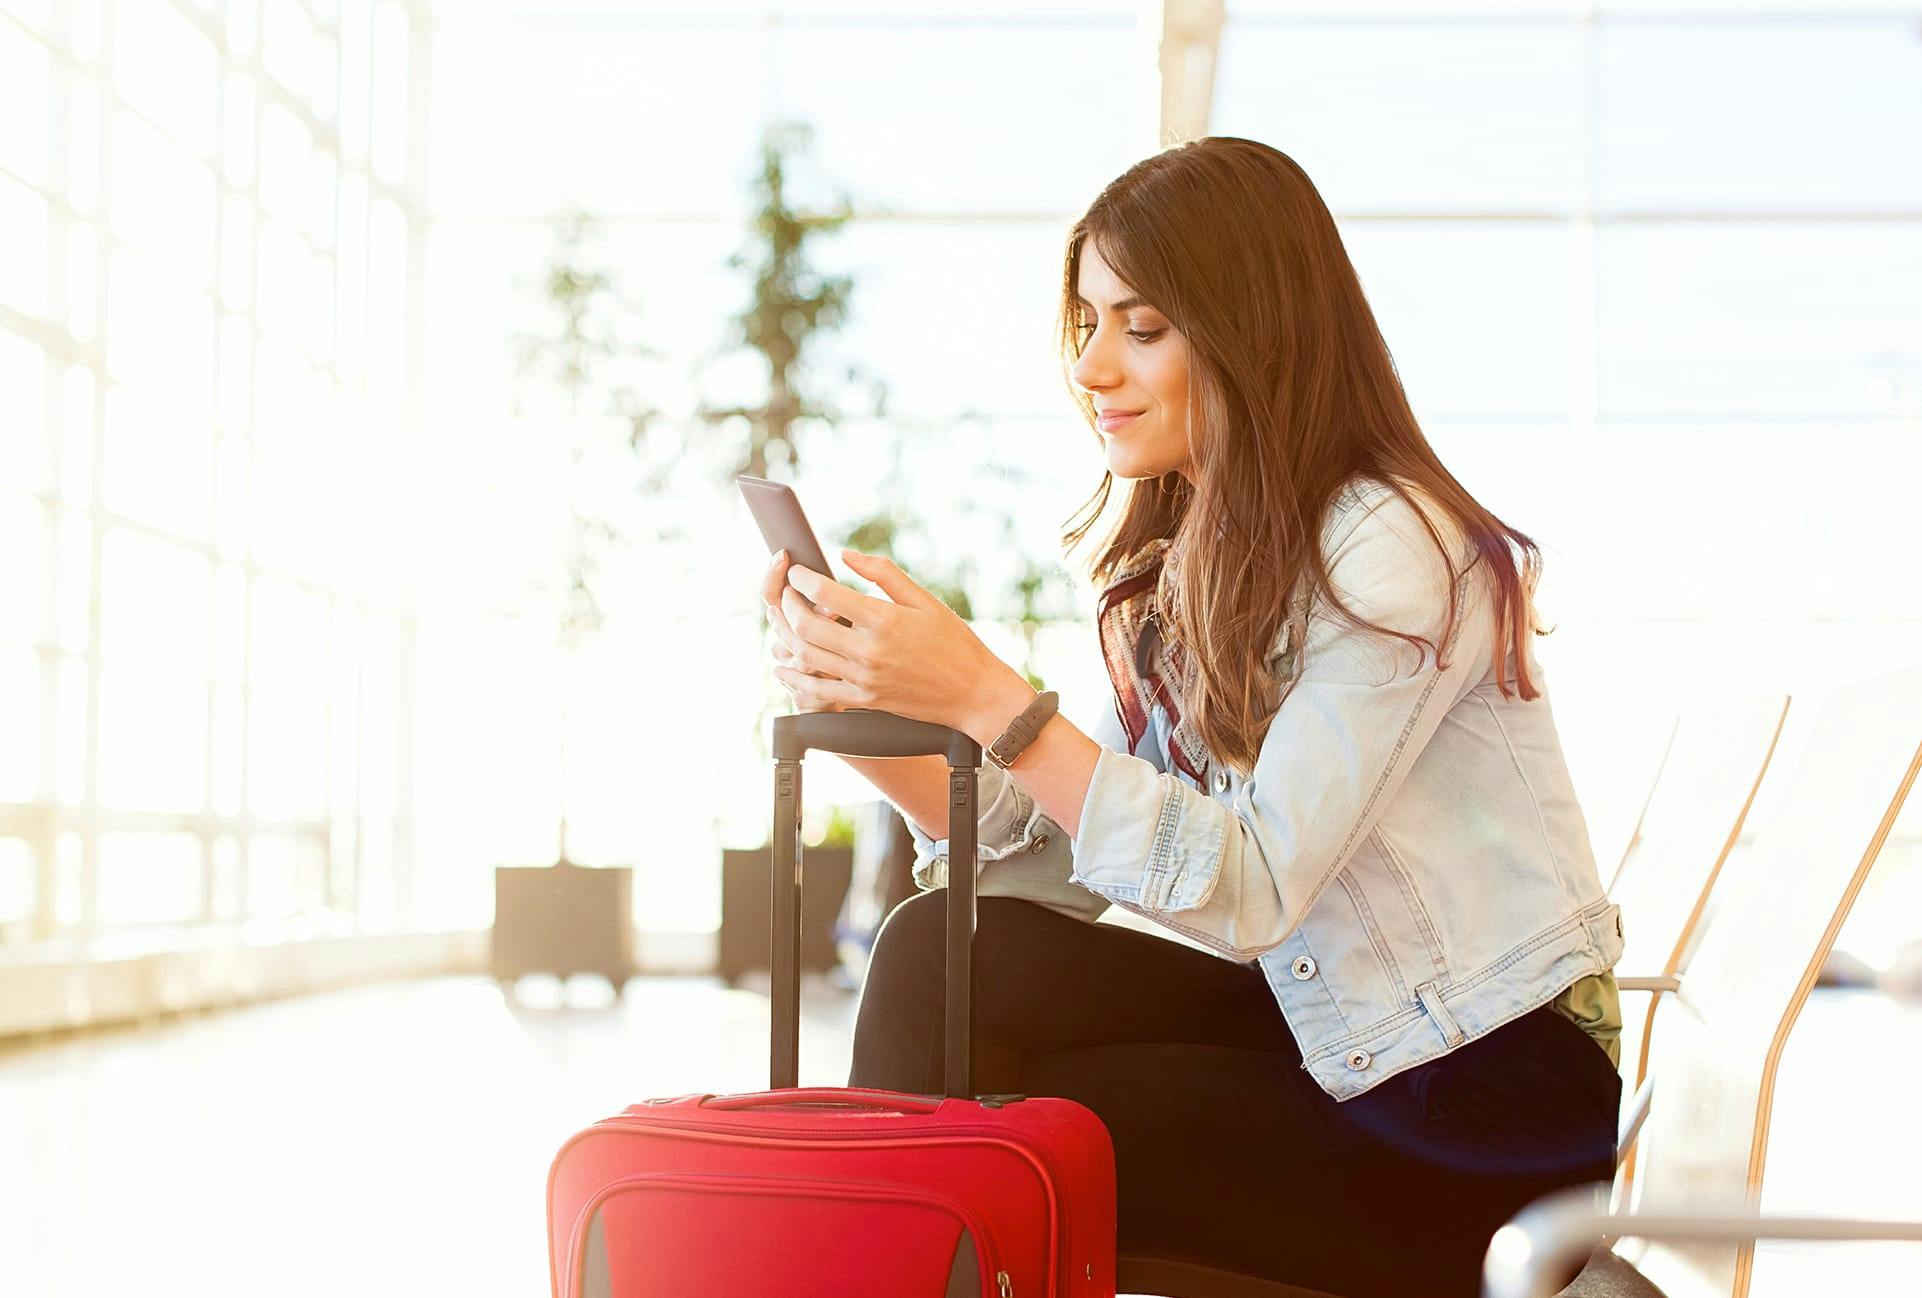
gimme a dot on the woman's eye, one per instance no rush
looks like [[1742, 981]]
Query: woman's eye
[[1146, 336]]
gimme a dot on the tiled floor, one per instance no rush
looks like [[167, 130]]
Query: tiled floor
[[395, 1139]]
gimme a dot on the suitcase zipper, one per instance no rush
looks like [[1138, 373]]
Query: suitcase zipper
[[986, 1254]]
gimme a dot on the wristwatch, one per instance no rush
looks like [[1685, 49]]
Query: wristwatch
[[1022, 730]]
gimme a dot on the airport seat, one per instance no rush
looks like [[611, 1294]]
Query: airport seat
[[1694, 815], [1694, 1213]]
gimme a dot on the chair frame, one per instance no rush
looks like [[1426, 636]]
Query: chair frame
[[1529, 1255], [1675, 964]]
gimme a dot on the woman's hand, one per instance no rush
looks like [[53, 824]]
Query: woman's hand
[[909, 654], [800, 688]]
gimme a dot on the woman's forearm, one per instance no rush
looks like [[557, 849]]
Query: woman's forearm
[[918, 786], [1057, 769]]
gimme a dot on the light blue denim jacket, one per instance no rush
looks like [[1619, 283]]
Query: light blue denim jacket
[[1407, 861]]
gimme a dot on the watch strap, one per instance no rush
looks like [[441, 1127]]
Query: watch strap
[[1022, 730]]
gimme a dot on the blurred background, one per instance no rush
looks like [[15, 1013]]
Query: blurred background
[[373, 374]]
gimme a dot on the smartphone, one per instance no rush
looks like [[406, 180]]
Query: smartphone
[[784, 525]]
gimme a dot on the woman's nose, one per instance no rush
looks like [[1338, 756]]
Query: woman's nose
[[1092, 370]]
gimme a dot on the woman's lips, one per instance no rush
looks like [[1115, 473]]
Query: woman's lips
[[1111, 422]]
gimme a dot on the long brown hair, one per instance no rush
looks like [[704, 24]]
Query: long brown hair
[[1292, 394]]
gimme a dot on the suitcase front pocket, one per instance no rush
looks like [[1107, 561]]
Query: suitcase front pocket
[[681, 1233]]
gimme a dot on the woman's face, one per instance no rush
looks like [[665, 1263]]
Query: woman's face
[[1132, 359]]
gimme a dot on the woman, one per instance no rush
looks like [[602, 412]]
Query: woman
[[1331, 764]]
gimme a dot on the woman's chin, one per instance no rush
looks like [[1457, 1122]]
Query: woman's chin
[[1126, 466]]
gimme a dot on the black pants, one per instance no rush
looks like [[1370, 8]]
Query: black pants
[[1227, 1152]]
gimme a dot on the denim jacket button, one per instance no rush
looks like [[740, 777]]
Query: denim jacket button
[[1221, 780], [1304, 967], [1039, 843], [1359, 1059]]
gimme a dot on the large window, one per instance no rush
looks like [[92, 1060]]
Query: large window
[[1649, 272], [211, 219]]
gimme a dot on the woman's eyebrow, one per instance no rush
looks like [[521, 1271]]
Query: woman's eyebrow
[[1125, 304]]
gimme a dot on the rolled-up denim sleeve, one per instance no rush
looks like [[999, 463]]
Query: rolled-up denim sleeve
[[1239, 873], [1022, 851]]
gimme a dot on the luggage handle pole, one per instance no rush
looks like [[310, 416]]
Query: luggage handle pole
[[962, 828], [863, 732], [784, 1066]]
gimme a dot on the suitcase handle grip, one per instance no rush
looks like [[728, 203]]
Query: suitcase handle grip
[[855, 1096], [864, 732]]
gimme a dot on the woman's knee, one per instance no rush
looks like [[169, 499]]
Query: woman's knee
[[918, 927], [912, 942], [922, 916], [913, 935]]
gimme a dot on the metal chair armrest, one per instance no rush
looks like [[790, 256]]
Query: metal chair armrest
[[1527, 1257]]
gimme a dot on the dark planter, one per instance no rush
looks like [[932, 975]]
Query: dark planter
[[564, 919], [747, 923]]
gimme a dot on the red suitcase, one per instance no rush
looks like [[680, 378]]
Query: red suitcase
[[833, 1192]]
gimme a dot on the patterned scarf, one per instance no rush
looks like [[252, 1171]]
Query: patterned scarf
[[1145, 667]]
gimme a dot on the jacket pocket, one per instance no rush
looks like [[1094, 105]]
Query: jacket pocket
[[1378, 940]]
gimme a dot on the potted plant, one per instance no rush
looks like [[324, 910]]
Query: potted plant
[[790, 304], [578, 372], [748, 922]]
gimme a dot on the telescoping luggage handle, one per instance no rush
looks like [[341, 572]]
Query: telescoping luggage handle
[[862, 732]]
